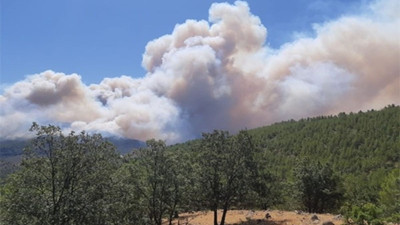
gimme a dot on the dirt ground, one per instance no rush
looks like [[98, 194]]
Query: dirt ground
[[247, 217]]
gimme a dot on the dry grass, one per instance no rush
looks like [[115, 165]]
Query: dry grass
[[247, 217]]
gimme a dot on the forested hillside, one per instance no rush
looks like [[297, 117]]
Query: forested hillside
[[346, 164], [362, 148]]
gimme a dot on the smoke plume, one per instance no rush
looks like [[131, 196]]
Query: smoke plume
[[220, 74]]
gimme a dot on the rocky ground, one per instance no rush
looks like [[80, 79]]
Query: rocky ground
[[249, 217]]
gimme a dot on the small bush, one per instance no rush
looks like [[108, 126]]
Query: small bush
[[367, 214]]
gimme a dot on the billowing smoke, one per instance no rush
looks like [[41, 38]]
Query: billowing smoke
[[220, 74]]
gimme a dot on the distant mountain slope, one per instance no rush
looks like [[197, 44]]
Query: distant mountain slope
[[124, 145], [9, 148], [13, 149]]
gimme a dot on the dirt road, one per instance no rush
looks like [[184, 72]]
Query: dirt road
[[247, 217]]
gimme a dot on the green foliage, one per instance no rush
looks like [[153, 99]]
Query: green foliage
[[154, 176], [368, 214], [389, 196], [319, 189], [263, 188], [128, 207], [226, 165], [62, 180], [362, 148], [6, 168]]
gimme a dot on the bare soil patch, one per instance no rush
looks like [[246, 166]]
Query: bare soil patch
[[249, 217]]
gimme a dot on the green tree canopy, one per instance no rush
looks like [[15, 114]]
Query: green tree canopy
[[155, 180], [389, 196], [226, 165], [318, 186], [62, 180]]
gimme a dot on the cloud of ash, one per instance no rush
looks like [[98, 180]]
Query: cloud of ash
[[220, 75]]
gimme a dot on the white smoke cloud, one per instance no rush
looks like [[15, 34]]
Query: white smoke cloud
[[221, 75]]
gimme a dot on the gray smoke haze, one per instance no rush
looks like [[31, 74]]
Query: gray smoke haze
[[220, 74]]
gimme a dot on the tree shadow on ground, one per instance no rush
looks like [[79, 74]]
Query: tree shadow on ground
[[260, 222]]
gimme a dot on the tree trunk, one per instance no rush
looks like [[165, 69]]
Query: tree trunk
[[159, 220], [170, 218], [224, 214], [171, 214], [215, 216]]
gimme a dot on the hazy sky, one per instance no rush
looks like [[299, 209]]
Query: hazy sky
[[104, 38], [174, 69]]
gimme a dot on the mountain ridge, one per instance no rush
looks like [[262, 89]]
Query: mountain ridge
[[14, 148]]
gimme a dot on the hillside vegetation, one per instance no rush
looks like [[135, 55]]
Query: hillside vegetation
[[346, 164], [362, 149]]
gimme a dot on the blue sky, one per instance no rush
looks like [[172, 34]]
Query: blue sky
[[103, 38]]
